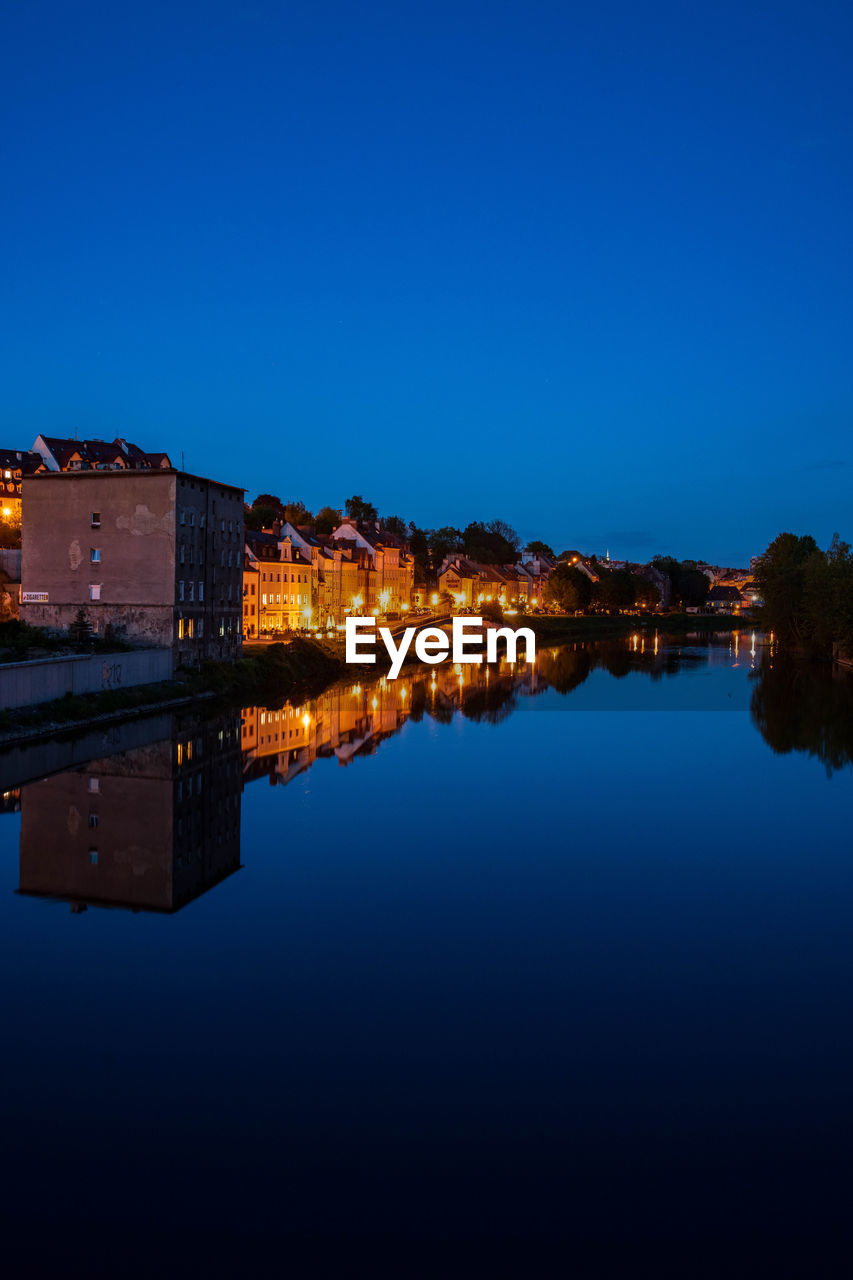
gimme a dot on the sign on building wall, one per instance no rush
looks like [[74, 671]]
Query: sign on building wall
[[34, 597]]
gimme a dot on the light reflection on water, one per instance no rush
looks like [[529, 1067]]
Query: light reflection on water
[[532, 977]]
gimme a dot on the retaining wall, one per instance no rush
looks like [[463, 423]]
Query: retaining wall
[[24, 684]]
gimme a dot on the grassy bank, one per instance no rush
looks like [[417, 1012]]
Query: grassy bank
[[302, 667], [83, 708]]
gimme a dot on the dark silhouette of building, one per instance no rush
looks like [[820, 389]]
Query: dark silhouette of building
[[148, 829]]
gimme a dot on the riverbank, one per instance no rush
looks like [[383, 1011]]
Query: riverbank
[[563, 628], [269, 675]]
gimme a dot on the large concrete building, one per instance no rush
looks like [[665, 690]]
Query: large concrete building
[[154, 555]]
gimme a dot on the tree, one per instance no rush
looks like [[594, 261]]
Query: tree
[[397, 526], [568, 589], [491, 609], [781, 581], [690, 586], [617, 590], [297, 513], [646, 591], [539, 548], [807, 593], [357, 508], [261, 517], [693, 587], [492, 543], [269, 500], [419, 547], [327, 520], [10, 531], [443, 542]]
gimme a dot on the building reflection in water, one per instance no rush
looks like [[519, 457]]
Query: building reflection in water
[[153, 827], [352, 720], [148, 829]]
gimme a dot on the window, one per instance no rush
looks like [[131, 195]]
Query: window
[[230, 526], [181, 589], [192, 517], [181, 631], [94, 784], [93, 819], [182, 553], [189, 628], [94, 591], [200, 628], [93, 857], [201, 521], [201, 591], [183, 517], [95, 519], [95, 555]]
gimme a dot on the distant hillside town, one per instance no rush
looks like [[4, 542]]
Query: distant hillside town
[[115, 541]]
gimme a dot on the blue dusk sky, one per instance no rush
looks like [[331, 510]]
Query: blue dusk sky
[[585, 267]]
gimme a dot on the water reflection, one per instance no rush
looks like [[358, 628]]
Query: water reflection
[[154, 825], [807, 707], [148, 829]]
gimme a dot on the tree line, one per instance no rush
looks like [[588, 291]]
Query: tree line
[[488, 542], [573, 590], [807, 594]]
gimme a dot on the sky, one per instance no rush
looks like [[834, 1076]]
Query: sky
[[585, 268]]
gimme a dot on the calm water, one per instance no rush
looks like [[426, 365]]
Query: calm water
[[549, 965]]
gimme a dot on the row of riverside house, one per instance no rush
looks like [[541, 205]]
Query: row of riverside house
[[296, 578], [117, 542], [470, 584]]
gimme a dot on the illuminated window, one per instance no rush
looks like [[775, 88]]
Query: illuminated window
[[181, 627], [94, 591]]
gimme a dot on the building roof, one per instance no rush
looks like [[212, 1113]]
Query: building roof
[[102, 453], [23, 460], [148, 473], [718, 595]]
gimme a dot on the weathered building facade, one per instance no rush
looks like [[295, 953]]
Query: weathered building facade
[[153, 556]]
